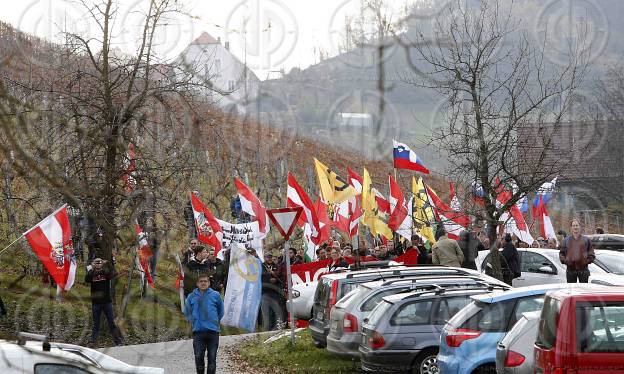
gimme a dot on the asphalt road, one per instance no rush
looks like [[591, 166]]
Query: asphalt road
[[175, 356]]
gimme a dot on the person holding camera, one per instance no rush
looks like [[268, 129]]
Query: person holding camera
[[99, 276]]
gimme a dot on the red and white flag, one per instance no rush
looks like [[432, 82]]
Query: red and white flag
[[208, 228], [130, 168], [347, 216], [253, 206], [382, 203], [355, 180], [398, 210], [51, 241], [513, 218], [323, 217], [145, 254], [546, 227], [453, 222], [296, 196]]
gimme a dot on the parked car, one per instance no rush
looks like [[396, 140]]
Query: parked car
[[514, 354], [581, 330], [34, 354], [303, 293], [607, 241], [610, 261], [348, 314], [402, 333], [303, 299], [542, 266], [469, 340], [332, 287]]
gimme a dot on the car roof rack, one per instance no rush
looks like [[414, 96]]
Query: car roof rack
[[415, 278], [406, 272], [437, 290], [23, 337]]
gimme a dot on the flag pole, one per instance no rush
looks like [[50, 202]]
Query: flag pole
[[14, 241]]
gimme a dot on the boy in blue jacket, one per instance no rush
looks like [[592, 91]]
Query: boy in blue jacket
[[204, 309]]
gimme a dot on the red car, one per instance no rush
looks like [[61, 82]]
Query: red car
[[581, 330]]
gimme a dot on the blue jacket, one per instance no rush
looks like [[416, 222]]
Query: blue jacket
[[204, 310]]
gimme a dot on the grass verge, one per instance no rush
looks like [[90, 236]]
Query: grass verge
[[281, 357]]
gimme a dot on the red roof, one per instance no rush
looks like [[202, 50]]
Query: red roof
[[204, 39]]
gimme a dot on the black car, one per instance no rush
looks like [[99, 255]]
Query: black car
[[607, 241], [332, 287]]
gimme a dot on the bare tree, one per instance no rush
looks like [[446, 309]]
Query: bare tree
[[69, 118], [494, 79]]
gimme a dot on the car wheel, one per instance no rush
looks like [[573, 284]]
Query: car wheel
[[318, 344], [426, 362]]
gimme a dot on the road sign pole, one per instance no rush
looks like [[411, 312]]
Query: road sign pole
[[290, 295], [285, 220]]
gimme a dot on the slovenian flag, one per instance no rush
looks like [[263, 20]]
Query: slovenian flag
[[405, 158]]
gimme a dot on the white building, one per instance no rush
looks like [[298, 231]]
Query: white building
[[235, 85]]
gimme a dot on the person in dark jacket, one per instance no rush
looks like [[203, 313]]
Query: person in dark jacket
[[424, 256], [204, 310], [197, 265], [338, 262], [3, 310], [188, 253], [510, 254], [217, 268], [99, 276], [577, 253], [469, 246]]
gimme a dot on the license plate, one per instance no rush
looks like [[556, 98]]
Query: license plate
[[319, 316], [334, 325]]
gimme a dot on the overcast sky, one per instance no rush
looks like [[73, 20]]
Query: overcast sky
[[278, 33]]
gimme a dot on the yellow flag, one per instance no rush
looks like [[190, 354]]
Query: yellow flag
[[422, 221], [334, 189], [371, 210]]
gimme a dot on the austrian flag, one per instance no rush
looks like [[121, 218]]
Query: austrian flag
[[145, 254], [51, 241], [208, 228], [253, 206]]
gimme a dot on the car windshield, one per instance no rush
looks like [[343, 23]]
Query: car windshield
[[613, 262], [379, 312], [323, 289]]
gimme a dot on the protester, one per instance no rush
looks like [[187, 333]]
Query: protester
[[337, 260], [446, 251], [375, 252], [204, 310], [198, 264], [321, 254], [469, 247], [552, 243], [423, 256], [270, 270], [599, 231], [383, 254], [295, 259], [577, 253], [218, 270], [346, 253], [188, 253], [512, 258], [99, 276]]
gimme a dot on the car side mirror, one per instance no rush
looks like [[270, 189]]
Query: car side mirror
[[547, 270]]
